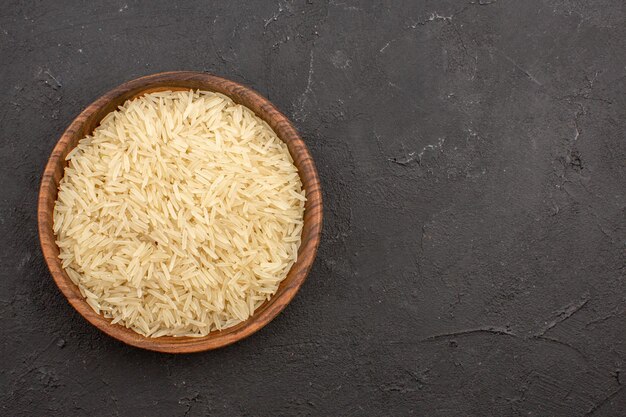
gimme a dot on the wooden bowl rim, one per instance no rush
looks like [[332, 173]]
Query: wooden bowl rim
[[313, 220]]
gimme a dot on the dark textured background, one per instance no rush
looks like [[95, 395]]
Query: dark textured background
[[473, 162]]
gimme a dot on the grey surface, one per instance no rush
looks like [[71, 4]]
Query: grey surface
[[473, 163]]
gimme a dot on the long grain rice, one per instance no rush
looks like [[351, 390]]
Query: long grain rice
[[180, 215]]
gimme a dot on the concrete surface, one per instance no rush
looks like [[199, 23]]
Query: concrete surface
[[473, 161]]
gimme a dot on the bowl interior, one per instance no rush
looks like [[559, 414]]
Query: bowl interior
[[90, 118]]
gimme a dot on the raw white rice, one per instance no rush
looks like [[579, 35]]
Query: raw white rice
[[180, 215]]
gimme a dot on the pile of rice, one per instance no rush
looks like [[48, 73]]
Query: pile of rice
[[180, 215]]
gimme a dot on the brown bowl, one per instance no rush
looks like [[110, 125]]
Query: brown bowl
[[90, 118]]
